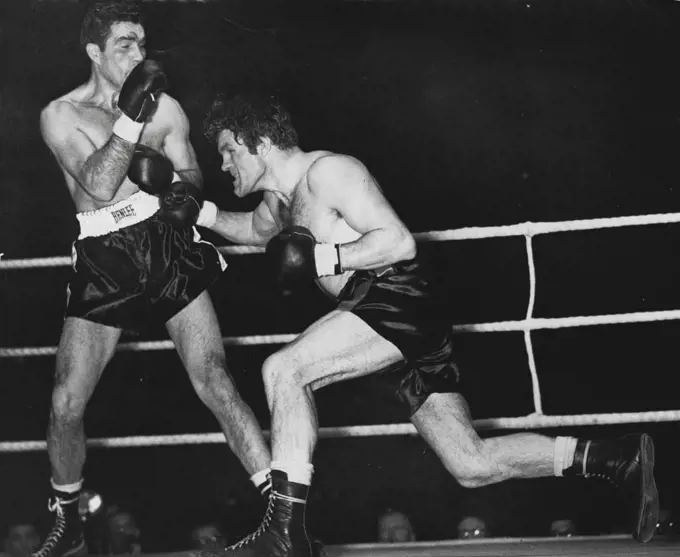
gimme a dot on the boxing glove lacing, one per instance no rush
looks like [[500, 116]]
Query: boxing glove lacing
[[57, 531]]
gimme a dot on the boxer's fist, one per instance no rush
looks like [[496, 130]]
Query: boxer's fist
[[150, 170], [181, 204], [294, 256], [139, 96]]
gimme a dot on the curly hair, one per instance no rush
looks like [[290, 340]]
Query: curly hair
[[100, 17], [251, 117]]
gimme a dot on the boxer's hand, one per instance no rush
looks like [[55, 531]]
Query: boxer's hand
[[139, 96], [181, 204], [150, 170], [138, 99], [294, 256]]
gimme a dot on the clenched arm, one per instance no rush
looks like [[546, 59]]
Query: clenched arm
[[253, 228], [100, 172], [345, 185], [177, 146]]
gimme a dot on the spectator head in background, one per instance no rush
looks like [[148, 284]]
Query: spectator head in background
[[667, 524], [206, 536], [563, 528], [123, 533], [472, 527], [395, 527], [21, 540]]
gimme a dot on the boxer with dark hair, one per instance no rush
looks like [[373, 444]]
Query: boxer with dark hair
[[324, 218], [123, 146]]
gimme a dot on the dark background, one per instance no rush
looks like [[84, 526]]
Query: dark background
[[469, 113]]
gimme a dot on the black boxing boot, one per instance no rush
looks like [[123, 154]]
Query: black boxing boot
[[628, 463], [282, 532], [318, 549], [67, 537]]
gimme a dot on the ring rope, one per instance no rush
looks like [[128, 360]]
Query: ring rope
[[534, 323], [533, 421], [535, 386], [527, 229], [470, 233]]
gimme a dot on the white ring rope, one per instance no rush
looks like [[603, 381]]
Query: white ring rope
[[524, 422], [470, 233], [534, 420], [536, 389], [497, 327]]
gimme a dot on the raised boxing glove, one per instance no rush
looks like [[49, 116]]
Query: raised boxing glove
[[138, 99]]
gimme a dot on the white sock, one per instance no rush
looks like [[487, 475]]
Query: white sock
[[298, 472], [258, 478], [565, 448], [68, 488]]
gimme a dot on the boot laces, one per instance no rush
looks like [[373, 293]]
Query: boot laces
[[58, 529], [613, 480], [260, 530]]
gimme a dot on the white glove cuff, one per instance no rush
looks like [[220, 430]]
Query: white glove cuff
[[327, 259], [128, 129], [208, 215]]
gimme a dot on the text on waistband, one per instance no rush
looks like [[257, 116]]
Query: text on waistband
[[120, 214]]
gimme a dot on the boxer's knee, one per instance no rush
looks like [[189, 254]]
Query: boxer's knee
[[281, 372], [211, 380], [68, 405], [73, 387], [272, 371]]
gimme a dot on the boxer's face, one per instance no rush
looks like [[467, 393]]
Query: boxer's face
[[123, 50], [245, 167]]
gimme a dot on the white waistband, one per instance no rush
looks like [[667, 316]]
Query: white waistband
[[136, 208]]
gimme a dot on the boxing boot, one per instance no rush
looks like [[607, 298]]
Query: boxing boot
[[318, 549], [66, 537], [628, 463], [282, 532]]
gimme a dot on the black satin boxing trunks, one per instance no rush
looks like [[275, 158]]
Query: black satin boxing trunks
[[400, 304], [136, 270]]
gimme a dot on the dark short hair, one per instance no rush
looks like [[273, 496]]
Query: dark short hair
[[100, 17], [251, 117]]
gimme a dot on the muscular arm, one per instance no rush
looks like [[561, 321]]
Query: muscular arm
[[176, 145], [345, 185], [99, 172], [253, 228]]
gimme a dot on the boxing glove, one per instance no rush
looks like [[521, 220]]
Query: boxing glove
[[294, 256], [138, 99], [181, 205], [150, 170]]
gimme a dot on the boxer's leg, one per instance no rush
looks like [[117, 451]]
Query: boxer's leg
[[198, 340], [84, 350], [338, 347]]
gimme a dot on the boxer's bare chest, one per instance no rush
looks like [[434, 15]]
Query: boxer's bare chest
[[312, 212], [97, 124]]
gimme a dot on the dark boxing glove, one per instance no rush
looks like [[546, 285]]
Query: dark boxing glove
[[294, 256], [138, 99], [150, 170], [181, 204]]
